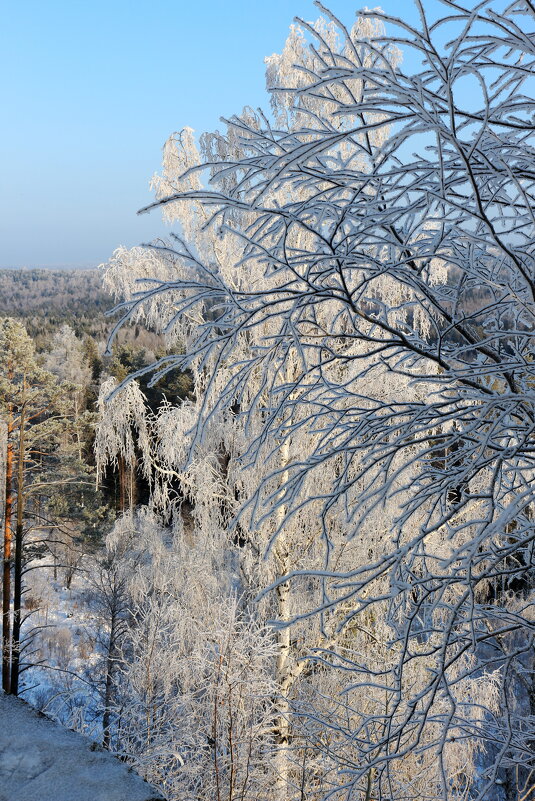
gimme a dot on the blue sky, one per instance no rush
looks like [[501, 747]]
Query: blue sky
[[95, 88]]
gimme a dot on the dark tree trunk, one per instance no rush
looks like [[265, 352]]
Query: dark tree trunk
[[110, 664], [122, 484], [132, 485]]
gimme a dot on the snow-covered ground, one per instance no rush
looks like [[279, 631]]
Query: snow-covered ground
[[65, 647], [42, 761]]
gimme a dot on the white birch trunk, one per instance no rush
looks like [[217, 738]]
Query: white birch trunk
[[282, 723]]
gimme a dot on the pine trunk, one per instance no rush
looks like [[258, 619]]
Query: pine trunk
[[132, 485], [17, 612], [17, 594], [6, 583]]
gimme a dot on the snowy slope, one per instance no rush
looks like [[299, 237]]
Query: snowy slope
[[42, 761]]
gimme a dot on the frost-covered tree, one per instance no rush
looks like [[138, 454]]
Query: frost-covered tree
[[354, 289], [76, 514], [188, 680], [66, 360], [121, 433], [216, 481]]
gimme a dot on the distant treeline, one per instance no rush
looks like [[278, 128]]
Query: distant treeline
[[46, 299]]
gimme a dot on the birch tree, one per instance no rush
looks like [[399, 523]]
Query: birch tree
[[122, 431], [369, 295], [216, 479]]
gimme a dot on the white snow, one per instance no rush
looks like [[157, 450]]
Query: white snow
[[42, 761]]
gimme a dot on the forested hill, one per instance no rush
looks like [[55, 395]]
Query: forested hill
[[47, 299], [44, 300]]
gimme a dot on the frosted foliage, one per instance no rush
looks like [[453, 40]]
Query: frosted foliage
[[211, 733], [193, 711], [212, 241], [179, 154], [361, 439], [367, 648], [289, 74], [298, 547], [212, 244], [65, 358], [122, 426], [201, 480], [169, 562], [137, 273]]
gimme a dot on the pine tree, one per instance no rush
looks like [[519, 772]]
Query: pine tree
[[34, 405]]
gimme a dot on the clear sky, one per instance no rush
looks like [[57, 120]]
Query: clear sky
[[92, 89]]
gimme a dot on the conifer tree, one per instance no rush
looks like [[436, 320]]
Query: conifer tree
[[33, 403]]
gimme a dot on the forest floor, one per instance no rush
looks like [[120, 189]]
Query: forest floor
[[65, 647]]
